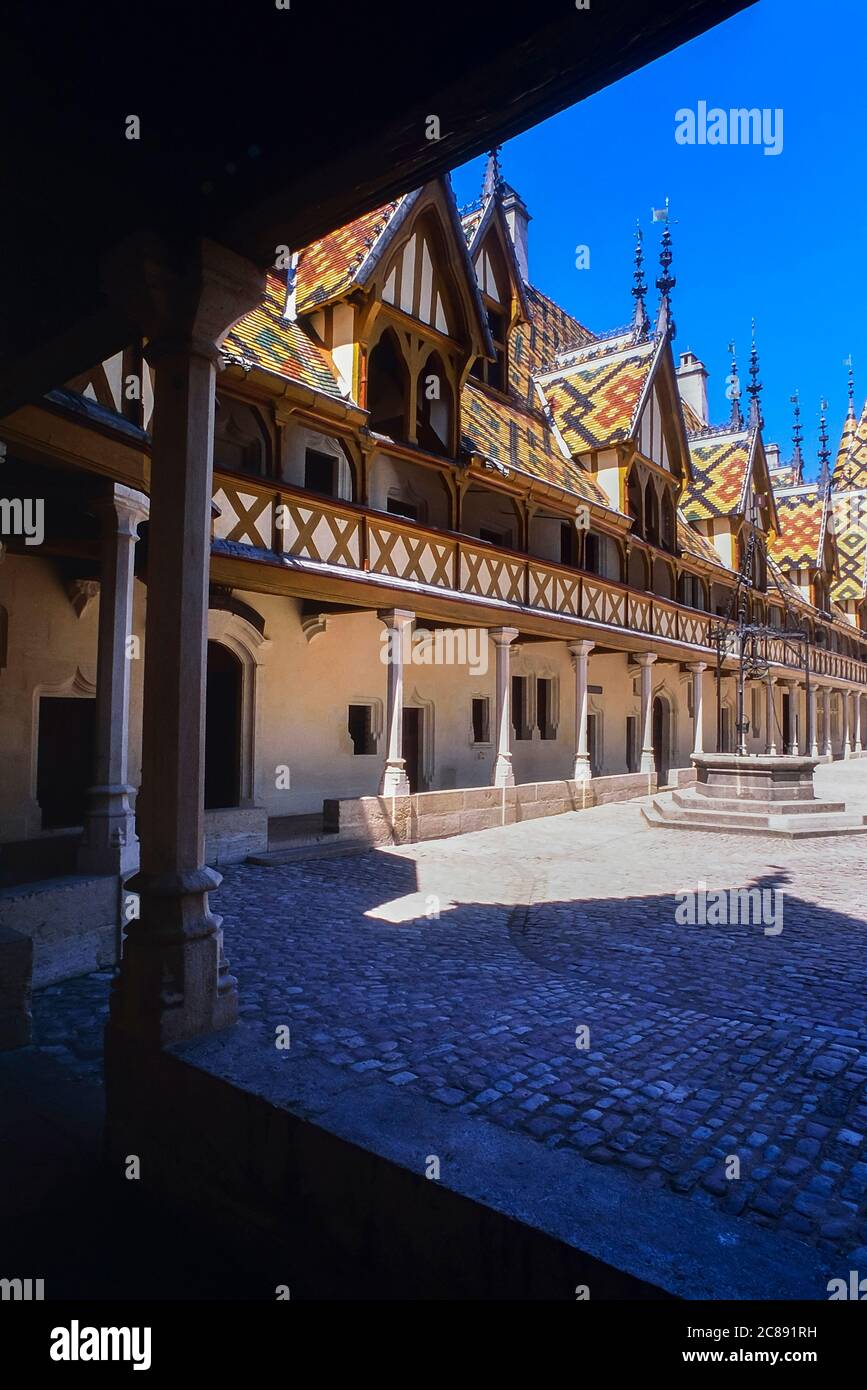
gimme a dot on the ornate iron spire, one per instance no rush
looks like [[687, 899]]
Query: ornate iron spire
[[797, 436], [666, 282], [493, 180], [736, 419], [824, 452], [755, 388], [847, 362], [640, 320]]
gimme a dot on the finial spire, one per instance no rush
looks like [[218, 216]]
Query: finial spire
[[736, 419], [493, 180], [824, 451], [640, 321], [797, 436], [847, 362], [755, 387], [666, 281]]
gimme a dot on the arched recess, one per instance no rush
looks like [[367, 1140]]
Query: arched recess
[[635, 503], [664, 733], [435, 408], [663, 583], [651, 512], [248, 646], [387, 397], [667, 525], [241, 442], [492, 516], [426, 735], [636, 570]]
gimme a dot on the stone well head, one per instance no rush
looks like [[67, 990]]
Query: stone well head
[[759, 778]]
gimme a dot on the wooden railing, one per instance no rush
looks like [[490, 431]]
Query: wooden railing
[[292, 522]]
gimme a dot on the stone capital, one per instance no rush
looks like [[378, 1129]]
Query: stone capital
[[503, 636], [645, 658], [580, 648], [697, 667], [395, 617]]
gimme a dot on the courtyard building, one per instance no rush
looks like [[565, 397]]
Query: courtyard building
[[469, 561]]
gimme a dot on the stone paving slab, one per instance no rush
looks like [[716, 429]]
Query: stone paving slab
[[460, 970]]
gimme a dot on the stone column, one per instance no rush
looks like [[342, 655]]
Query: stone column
[[503, 637], [771, 717], [698, 669], [174, 982], [827, 745], [394, 779], [580, 659], [814, 721], [847, 742], [857, 748], [110, 844], [794, 711], [645, 661]]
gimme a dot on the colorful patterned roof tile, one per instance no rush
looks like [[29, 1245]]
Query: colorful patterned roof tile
[[522, 439], [801, 532], [266, 339], [850, 467], [595, 401], [533, 347], [850, 525], [694, 423], [692, 542], [328, 267], [719, 470]]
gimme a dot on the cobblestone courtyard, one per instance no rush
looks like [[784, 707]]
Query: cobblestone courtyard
[[704, 1041]]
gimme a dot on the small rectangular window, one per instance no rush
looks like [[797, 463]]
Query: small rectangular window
[[519, 708], [361, 729], [481, 720], [319, 473], [398, 507], [545, 708], [499, 538]]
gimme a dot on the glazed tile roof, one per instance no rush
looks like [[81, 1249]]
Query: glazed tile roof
[[850, 524], [694, 423], [533, 347], [801, 532], [719, 471], [328, 267], [692, 542], [850, 467], [269, 341], [521, 439], [595, 401]]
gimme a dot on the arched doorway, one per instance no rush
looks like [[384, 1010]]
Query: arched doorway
[[222, 728], [661, 739]]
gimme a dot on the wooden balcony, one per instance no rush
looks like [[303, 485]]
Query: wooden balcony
[[291, 522]]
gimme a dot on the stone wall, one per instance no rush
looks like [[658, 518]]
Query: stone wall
[[386, 820], [71, 921]]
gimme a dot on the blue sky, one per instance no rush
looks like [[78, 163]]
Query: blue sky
[[781, 238]]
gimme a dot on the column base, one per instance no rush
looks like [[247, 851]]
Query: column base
[[503, 774], [847, 750], [110, 844], [648, 760], [394, 780], [582, 771], [174, 982], [771, 750]]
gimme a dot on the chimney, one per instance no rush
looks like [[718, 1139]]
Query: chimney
[[692, 383], [517, 220], [772, 454]]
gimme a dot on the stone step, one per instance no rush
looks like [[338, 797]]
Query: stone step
[[788, 827], [692, 800]]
